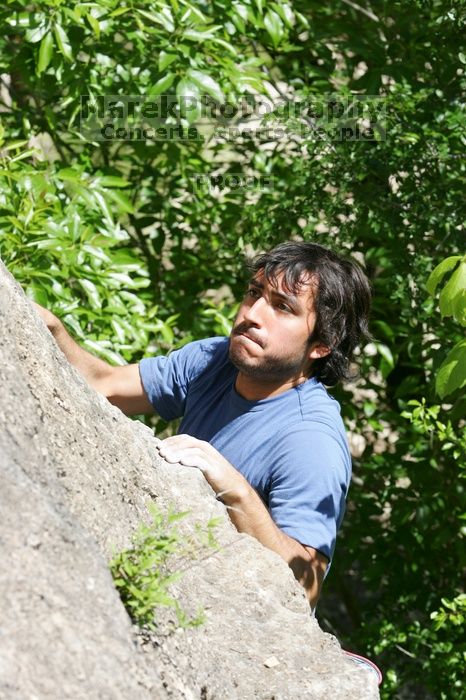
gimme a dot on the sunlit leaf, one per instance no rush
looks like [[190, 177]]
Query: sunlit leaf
[[63, 41], [161, 85], [45, 53], [35, 34], [452, 373], [453, 292], [122, 200], [69, 174], [207, 84], [201, 35], [386, 353], [111, 181], [189, 99], [94, 24], [164, 17], [92, 293], [274, 26], [166, 59], [440, 271]]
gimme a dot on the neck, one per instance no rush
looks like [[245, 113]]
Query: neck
[[257, 389]]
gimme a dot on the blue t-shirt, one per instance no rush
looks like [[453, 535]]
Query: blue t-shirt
[[292, 448]]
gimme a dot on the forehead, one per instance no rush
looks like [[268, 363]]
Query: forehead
[[303, 291]]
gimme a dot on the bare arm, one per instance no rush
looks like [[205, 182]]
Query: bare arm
[[246, 509], [249, 514], [122, 386]]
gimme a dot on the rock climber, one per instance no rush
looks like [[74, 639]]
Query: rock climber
[[257, 419]]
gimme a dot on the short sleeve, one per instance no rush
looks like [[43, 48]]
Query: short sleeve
[[166, 380], [309, 482]]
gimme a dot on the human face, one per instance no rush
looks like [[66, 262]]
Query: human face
[[269, 342]]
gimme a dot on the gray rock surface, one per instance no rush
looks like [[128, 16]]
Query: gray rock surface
[[76, 477]]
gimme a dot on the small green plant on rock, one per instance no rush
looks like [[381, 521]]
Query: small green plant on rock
[[157, 558]]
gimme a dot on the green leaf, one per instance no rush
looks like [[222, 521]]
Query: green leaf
[[103, 204], [385, 328], [189, 98], [302, 19], [122, 200], [226, 45], [452, 372], [123, 279], [452, 294], [37, 293], [120, 11], [126, 259], [164, 17], [193, 13], [203, 35], [111, 181], [63, 42], [69, 175], [386, 353], [35, 34], [438, 273], [92, 293], [161, 85], [46, 243], [119, 330], [285, 12], [459, 307], [23, 155], [97, 253], [274, 27], [45, 53], [94, 23], [166, 59], [208, 84], [241, 10], [11, 146]]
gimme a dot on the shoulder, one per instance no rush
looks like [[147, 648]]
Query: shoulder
[[317, 439], [317, 404], [167, 378], [184, 365], [193, 358], [200, 355], [311, 466], [205, 349], [312, 439]]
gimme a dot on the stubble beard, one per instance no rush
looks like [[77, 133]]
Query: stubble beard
[[268, 369]]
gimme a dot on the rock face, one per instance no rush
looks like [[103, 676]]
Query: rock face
[[76, 477]]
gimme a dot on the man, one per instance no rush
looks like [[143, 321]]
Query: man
[[257, 420]]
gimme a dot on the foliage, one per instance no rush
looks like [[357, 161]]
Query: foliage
[[140, 243], [144, 573], [439, 645], [61, 241], [452, 372]]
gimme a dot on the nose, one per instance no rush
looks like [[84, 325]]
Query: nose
[[254, 313]]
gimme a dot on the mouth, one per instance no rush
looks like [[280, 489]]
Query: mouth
[[248, 336]]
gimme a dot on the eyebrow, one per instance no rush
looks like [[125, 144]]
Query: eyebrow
[[289, 298]]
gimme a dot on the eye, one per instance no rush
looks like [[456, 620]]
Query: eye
[[253, 293], [281, 306]]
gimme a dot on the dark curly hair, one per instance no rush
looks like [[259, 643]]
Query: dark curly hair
[[341, 302]]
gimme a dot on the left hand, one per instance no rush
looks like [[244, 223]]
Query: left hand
[[191, 452], [246, 509]]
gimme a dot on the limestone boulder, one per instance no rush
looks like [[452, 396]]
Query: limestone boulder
[[76, 479]]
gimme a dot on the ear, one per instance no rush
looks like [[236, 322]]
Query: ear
[[317, 351]]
